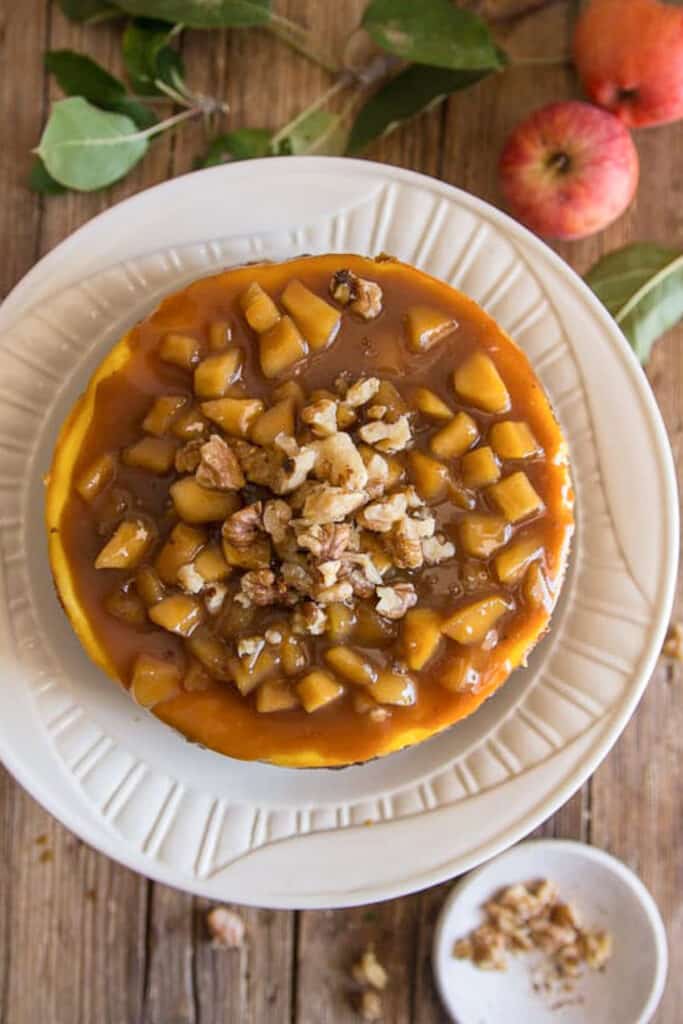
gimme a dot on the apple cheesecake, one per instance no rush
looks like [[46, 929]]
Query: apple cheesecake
[[311, 512]]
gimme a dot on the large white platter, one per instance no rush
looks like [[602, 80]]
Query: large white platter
[[282, 838]]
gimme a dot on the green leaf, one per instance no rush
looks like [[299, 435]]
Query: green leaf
[[88, 10], [147, 56], [80, 76], [40, 181], [86, 148], [411, 92], [242, 144], [317, 132], [642, 287], [432, 32], [202, 13]]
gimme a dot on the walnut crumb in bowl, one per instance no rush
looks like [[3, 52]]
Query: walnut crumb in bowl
[[588, 946]]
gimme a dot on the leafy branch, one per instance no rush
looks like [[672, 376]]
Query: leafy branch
[[418, 54]]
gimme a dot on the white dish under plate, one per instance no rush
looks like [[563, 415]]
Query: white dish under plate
[[606, 894], [286, 838]]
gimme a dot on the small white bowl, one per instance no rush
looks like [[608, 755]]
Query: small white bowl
[[607, 895]]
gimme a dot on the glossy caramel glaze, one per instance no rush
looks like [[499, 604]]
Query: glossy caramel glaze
[[108, 417]]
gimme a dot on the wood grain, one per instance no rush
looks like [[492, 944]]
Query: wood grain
[[83, 939]]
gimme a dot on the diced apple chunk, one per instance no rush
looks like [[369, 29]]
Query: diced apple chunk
[[196, 678], [482, 535], [182, 547], [317, 689], [455, 438], [190, 424], [127, 547], [394, 688], [340, 622], [181, 350], [470, 624], [351, 666], [248, 672], [458, 674], [420, 637], [197, 504], [290, 389], [124, 604], [161, 414], [429, 475], [280, 347], [96, 477], [478, 382], [512, 563], [216, 373], [257, 556], [479, 468], [259, 309], [211, 651], [426, 326], [233, 415], [154, 680], [276, 695], [293, 655], [154, 454], [279, 419], [513, 439], [371, 629], [317, 320], [148, 585], [535, 589], [389, 395], [516, 497], [211, 564], [220, 335], [179, 613], [429, 404]]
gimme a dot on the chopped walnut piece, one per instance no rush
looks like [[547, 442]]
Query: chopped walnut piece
[[190, 580], [405, 544], [377, 469], [219, 467], [673, 645], [249, 647], [366, 565], [437, 549], [259, 586], [326, 541], [531, 917], [295, 467], [321, 416], [395, 601], [339, 462], [361, 392], [326, 504], [188, 457], [388, 437], [276, 517], [242, 527], [259, 465], [380, 516], [226, 928], [296, 576], [214, 596], [329, 571], [370, 1005], [337, 593], [273, 636], [369, 971], [309, 618], [363, 297]]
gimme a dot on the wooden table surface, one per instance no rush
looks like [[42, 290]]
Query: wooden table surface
[[83, 940]]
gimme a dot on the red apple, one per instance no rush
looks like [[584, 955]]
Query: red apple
[[569, 170], [629, 56]]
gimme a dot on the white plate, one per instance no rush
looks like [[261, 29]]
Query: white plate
[[284, 838], [606, 894]]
